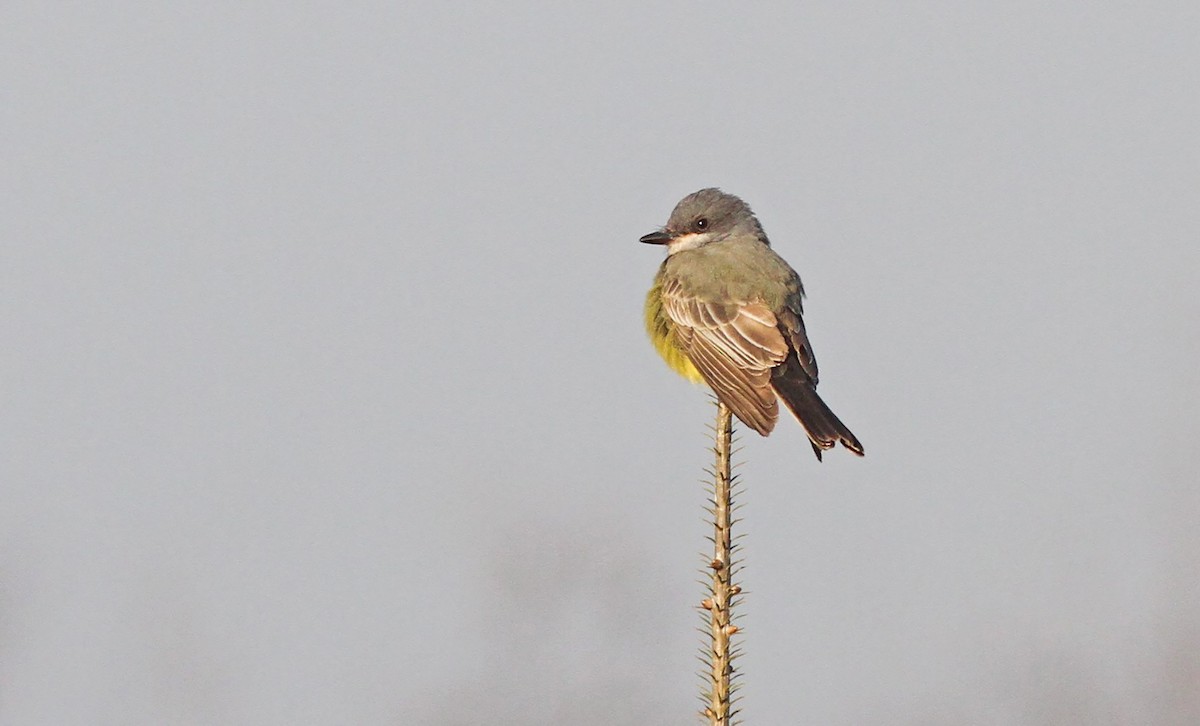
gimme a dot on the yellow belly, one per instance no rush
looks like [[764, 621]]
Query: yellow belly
[[662, 335]]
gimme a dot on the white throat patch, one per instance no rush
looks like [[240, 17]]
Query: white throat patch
[[689, 241]]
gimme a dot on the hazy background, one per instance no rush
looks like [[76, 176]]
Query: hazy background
[[326, 398]]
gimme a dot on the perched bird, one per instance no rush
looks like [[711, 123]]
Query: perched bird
[[726, 310]]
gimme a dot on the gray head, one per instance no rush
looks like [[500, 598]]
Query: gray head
[[706, 217]]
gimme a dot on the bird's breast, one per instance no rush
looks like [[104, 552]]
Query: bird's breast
[[664, 336]]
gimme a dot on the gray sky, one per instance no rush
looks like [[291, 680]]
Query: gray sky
[[327, 398]]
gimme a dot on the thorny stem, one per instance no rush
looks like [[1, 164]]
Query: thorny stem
[[722, 591]]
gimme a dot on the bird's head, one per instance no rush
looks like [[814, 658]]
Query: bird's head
[[705, 217]]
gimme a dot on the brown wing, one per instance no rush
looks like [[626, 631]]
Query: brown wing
[[734, 346]]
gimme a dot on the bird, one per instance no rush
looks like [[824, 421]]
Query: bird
[[726, 310]]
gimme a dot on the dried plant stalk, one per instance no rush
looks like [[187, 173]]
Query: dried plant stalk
[[722, 592]]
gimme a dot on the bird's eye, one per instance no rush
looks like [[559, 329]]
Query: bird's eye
[[702, 223]]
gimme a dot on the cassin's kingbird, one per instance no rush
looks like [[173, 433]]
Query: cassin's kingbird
[[726, 310]]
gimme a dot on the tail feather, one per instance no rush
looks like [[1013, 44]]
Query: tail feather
[[799, 394]]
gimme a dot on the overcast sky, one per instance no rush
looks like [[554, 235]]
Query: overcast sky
[[326, 398]]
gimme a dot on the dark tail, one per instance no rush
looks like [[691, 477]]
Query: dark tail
[[824, 429]]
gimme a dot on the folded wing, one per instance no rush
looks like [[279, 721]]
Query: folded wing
[[734, 346]]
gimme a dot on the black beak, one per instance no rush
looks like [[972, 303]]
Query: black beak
[[661, 237]]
